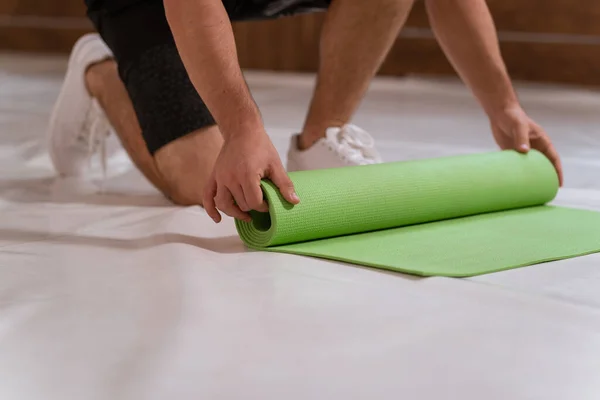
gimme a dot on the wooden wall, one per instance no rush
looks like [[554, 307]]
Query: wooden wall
[[542, 40], [42, 25]]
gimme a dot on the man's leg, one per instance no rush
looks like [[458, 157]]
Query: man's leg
[[356, 37], [179, 169], [153, 107], [103, 83]]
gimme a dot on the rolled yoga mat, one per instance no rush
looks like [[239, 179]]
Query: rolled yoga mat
[[455, 216]]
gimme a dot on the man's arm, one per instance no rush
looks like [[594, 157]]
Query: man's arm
[[205, 41], [466, 32], [204, 38]]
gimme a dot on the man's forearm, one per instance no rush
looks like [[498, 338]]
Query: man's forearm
[[205, 41], [466, 32]]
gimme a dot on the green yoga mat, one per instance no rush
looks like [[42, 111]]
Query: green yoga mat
[[455, 216]]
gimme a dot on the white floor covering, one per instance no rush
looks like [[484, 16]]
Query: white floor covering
[[120, 295]]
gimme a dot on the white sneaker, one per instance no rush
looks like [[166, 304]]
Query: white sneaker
[[341, 147], [78, 126]]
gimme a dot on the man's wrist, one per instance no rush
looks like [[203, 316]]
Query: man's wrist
[[501, 108], [237, 112], [241, 124], [498, 95], [498, 103]]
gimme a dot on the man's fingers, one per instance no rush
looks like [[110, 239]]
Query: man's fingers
[[254, 195], [283, 182], [521, 138], [208, 200], [542, 143], [553, 156], [225, 202], [239, 198]]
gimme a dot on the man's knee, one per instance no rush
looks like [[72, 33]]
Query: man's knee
[[186, 164], [182, 186]]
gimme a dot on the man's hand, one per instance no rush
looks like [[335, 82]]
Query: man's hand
[[466, 32], [513, 129], [205, 41], [234, 187]]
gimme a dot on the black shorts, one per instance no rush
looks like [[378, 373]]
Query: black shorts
[[165, 101]]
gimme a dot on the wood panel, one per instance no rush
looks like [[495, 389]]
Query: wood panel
[[291, 44], [285, 44], [52, 8], [298, 51], [554, 16], [576, 17], [36, 39], [48, 26], [543, 62]]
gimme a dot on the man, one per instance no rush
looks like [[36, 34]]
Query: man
[[172, 89]]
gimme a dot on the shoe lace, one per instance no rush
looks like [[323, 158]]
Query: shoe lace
[[354, 143], [93, 136]]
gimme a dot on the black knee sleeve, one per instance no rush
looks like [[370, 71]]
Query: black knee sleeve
[[165, 101]]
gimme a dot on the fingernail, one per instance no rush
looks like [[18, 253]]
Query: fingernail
[[524, 147], [295, 197]]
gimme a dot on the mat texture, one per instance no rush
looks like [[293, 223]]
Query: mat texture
[[454, 216]]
